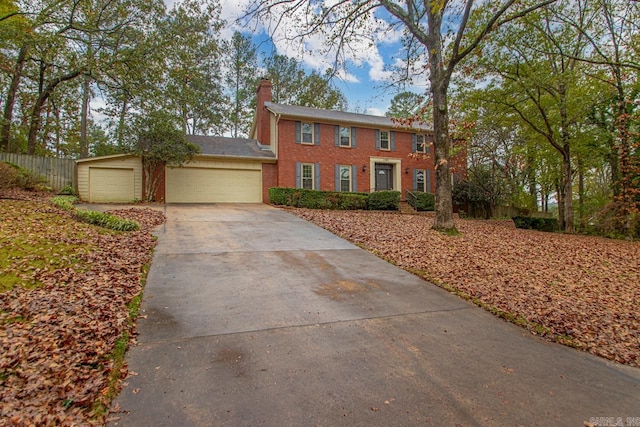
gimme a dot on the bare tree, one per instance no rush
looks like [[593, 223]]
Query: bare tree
[[438, 33]]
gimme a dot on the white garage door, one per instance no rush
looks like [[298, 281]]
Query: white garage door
[[111, 185], [201, 185]]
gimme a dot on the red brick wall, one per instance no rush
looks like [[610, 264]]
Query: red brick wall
[[269, 179], [328, 155], [262, 115], [160, 193]]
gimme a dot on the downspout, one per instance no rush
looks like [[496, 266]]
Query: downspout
[[275, 134]]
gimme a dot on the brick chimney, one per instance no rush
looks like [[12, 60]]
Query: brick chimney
[[263, 120]]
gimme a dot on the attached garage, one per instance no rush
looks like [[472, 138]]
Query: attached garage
[[106, 185], [214, 181], [227, 170], [110, 179]]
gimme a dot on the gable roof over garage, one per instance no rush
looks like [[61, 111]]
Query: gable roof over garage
[[232, 148]]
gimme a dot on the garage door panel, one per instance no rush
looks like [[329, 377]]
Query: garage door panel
[[111, 185], [202, 185]]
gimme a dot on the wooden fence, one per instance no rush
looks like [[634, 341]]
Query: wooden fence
[[58, 172]]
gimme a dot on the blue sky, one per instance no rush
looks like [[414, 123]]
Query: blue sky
[[366, 74], [362, 92]]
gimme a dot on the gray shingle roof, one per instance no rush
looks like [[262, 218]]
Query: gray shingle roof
[[220, 146], [334, 116]]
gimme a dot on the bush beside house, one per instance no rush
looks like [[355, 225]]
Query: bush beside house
[[316, 199]]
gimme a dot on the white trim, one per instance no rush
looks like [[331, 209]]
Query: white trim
[[340, 127], [388, 148], [397, 171], [100, 158], [313, 175]]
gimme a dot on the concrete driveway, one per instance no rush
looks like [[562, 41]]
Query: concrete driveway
[[255, 317]]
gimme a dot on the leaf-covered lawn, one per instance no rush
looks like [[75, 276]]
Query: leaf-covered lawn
[[65, 288], [579, 290]]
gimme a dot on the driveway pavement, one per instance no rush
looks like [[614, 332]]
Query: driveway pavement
[[255, 317]]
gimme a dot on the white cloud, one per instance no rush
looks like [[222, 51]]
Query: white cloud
[[316, 50], [374, 111]]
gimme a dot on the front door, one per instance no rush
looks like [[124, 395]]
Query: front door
[[384, 177]]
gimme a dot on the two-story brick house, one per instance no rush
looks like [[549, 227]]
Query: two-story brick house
[[333, 150], [290, 146]]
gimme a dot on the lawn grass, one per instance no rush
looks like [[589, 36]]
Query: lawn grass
[[34, 240], [69, 297]]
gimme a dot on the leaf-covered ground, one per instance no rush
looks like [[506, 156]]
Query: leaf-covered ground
[[63, 308], [578, 290]]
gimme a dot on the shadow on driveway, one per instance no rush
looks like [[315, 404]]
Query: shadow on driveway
[[257, 317]]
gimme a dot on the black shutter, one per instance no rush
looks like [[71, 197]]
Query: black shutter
[[316, 176], [354, 178], [316, 133]]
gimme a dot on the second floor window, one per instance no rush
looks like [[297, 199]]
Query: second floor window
[[384, 140], [345, 136], [307, 133], [421, 144]]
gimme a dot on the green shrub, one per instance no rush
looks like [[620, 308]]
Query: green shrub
[[314, 199], [280, 196], [353, 201], [425, 201], [384, 200], [310, 199], [28, 180], [8, 175], [64, 202], [533, 223], [68, 190], [106, 220]]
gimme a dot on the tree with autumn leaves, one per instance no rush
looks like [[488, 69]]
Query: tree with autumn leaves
[[564, 81]]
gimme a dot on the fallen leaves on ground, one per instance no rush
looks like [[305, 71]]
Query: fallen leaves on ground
[[59, 327], [582, 291]]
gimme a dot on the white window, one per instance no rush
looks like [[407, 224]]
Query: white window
[[384, 140], [307, 133], [345, 178], [307, 176], [421, 144], [421, 182], [345, 136]]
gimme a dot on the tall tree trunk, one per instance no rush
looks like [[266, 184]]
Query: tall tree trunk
[[5, 131], [568, 191], [559, 184], [439, 80], [84, 117], [581, 212], [121, 122], [566, 161], [36, 112], [56, 111]]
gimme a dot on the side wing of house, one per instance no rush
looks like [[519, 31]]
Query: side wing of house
[[110, 179]]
